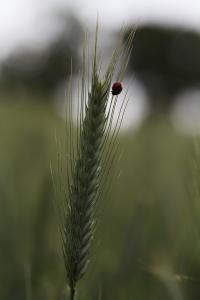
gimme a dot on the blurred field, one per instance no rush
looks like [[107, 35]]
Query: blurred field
[[149, 225], [28, 235]]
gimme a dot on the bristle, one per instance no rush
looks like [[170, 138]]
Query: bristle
[[89, 157]]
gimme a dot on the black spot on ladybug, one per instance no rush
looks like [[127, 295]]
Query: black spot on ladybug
[[116, 88]]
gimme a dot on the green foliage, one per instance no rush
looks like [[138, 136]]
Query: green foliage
[[27, 231]]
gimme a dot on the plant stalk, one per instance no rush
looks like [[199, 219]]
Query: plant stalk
[[72, 292]]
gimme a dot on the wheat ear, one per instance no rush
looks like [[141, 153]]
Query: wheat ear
[[88, 161]]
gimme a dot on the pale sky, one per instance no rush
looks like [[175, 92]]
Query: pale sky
[[24, 21], [114, 12]]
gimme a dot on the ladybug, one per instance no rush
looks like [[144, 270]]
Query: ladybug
[[116, 88]]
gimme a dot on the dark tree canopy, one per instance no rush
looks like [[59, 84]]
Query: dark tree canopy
[[43, 70], [166, 61]]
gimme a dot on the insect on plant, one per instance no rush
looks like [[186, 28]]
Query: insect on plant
[[116, 88]]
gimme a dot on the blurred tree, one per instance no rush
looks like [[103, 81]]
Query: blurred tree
[[42, 70], [166, 61]]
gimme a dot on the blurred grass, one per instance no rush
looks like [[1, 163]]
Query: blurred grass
[[148, 231], [27, 234]]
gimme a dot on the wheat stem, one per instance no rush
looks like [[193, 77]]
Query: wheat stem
[[72, 292]]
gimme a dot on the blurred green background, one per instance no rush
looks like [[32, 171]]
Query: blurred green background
[[147, 242]]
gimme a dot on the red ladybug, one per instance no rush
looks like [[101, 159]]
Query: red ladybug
[[116, 88]]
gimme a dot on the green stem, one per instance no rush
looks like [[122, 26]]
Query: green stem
[[72, 292]]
